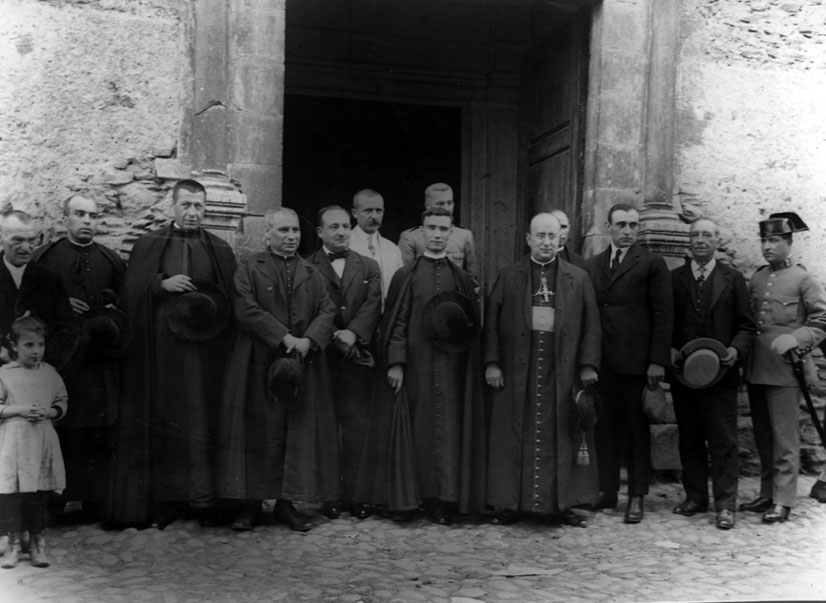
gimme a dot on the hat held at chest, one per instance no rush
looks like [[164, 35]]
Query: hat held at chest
[[450, 321], [701, 365], [197, 315]]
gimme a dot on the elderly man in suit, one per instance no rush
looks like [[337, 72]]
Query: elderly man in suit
[[354, 285], [789, 308], [541, 329], [710, 301], [460, 244], [633, 290]]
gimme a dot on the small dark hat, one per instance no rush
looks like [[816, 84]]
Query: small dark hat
[[782, 223], [450, 320], [653, 404], [285, 380], [105, 333], [700, 363], [359, 354], [586, 407], [198, 315]]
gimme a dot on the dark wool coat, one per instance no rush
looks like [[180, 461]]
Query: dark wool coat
[[42, 295], [507, 342], [155, 440], [266, 450]]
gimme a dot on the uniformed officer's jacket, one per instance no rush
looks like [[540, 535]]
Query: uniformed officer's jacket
[[786, 300]]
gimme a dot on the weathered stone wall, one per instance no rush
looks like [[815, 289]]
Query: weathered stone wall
[[91, 92], [751, 138]]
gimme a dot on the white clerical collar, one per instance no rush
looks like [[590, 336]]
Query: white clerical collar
[[76, 244], [543, 264], [15, 271], [433, 255], [707, 268], [281, 255]]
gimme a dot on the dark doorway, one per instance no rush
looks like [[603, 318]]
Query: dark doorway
[[333, 147]]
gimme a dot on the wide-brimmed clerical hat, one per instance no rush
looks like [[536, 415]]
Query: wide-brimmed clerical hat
[[450, 321], [700, 365], [781, 223], [285, 380], [105, 332], [197, 315]]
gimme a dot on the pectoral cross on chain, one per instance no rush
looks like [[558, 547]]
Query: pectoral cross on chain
[[543, 289]]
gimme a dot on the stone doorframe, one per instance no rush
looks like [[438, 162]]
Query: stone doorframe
[[235, 123]]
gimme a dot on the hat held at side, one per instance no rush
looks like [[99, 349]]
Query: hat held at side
[[198, 315], [450, 320], [701, 364]]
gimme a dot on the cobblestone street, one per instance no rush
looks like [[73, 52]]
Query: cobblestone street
[[666, 558]]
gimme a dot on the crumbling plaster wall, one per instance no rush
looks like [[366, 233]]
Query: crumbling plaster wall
[[751, 124], [91, 92]]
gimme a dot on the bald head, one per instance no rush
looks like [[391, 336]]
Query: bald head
[[543, 238]]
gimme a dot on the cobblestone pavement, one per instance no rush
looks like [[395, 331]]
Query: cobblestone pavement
[[666, 558]]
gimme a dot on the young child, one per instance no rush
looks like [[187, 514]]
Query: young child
[[32, 396]]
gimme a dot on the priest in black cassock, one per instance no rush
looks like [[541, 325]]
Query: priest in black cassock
[[446, 410], [176, 293], [92, 275], [542, 338]]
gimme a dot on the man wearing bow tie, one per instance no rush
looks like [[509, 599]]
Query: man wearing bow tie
[[368, 210], [354, 284], [633, 289]]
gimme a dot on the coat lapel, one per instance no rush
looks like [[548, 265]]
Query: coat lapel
[[632, 256], [351, 268], [718, 284], [603, 263], [320, 260], [525, 275]]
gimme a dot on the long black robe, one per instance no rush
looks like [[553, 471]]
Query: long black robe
[[170, 388]]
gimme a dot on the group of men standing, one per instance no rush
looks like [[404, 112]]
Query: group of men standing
[[364, 377]]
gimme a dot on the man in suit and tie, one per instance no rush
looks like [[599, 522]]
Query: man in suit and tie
[[710, 301], [354, 285], [633, 290], [460, 244], [368, 210]]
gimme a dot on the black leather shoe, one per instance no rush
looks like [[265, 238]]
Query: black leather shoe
[[360, 510], [758, 505], [818, 491], [606, 500], [285, 512], [208, 517], [725, 519], [634, 510], [506, 517], [248, 518], [331, 509], [777, 514], [690, 507], [441, 513], [574, 519]]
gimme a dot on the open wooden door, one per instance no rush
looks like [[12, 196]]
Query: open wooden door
[[554, 87]]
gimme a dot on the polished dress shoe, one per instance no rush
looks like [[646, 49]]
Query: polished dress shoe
[[690, 507], [777, 514], [818, 491], [285, 512], [758, 505], [361, 510], [331, 509], [634, 510], [725, 519], [506, 517], [441, 513], [574, 519]]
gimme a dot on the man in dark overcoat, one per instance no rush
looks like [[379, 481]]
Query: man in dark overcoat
[[710, 301], [173, 372], [354, 284], [789, 308], [28, 288], [92, 275], [541, 338], [271, 450], [633, 290], [446, 410]]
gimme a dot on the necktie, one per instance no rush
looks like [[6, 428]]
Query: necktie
[[371, 247], [616, 261], [702, 276], [337, 255]]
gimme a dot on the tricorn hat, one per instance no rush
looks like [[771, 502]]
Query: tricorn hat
[[450, 321], [105, 332], [285, 380], [701, 365], [780, 223], [197, 315]]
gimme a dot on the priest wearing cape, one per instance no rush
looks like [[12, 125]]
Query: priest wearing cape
[[430, 349], [282, 445], [542, 340], [176, 294]]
